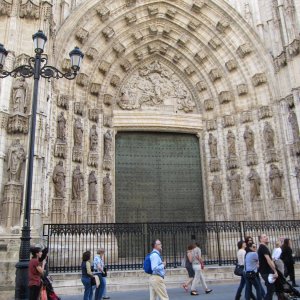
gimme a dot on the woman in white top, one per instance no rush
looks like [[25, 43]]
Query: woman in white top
[[241, 261], [276, 253]]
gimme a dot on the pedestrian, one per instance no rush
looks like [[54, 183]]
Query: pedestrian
[[249, 241], [276, 254], [288, 260], [35, 273], [189, 267], [98, 265], [87, 276], [198, 266], [157, 284], [251, 269]]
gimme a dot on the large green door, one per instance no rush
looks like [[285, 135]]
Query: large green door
[[158, 178]]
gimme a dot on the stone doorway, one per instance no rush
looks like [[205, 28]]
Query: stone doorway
[[158, 178]]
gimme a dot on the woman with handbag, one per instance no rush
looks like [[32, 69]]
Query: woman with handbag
[[240, 268], [251, 269], [189, 267], [100, 271], [87, 277]]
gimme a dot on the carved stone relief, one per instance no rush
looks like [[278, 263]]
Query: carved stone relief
[[57, 210], [232, 162], [182, 40], [82, 79], [78, 108], [234, 181], [108, 33], [214, 74], [290, 101], [215, 43], [208, 104], [115, 81], [217, 187], [103, 12], [231, 65], [251, 156], [246, 116], [21, 59], [130, 18], [201, 56], [20, 95], [222, 25], [59, 180], [61, 127], [275, 177], [254, 182], [259, 78], [242, 89], [137, 36], [17, 123], [265, 112], [77, 183], [119, 49], [78, 138], [92, 53], [63, 101], [153, 10], [95, 88], [108, 99], [294, 47], [225, 97], [213, 149], [163, 49], [190, 70], [15, 159], [82, 35], [153, 29], [104, 67], [201, 86], [197, 5], [292, 118], [107, 157], [176, 58], [107, 190], [125, 65], [211, 125], [228, 121], [5, 8], [66, 64], [92, 181], [29, 10], [244, 50], [193, 25], [153, 48], [171, 13], [94, 114]]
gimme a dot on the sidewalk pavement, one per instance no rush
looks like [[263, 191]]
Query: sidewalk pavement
[[220, 292]]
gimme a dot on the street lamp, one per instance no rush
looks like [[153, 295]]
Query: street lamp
[[37, 67]]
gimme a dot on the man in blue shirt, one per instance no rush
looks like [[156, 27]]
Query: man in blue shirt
[[156, 283]]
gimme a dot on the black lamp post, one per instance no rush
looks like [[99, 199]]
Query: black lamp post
[[37, 67]]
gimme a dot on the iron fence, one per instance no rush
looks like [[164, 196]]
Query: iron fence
[[126, 245]]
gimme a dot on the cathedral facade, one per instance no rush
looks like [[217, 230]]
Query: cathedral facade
[[225, 71]]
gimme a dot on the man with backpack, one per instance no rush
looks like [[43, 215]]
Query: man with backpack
[[157, 285]]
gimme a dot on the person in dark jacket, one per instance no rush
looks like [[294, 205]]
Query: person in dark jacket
[[87, 275], [288, 260]]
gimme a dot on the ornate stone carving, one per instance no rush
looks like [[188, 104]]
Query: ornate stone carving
[[57, 211], [21, 59], [214, 74], [66, 64], [234, 181], [108, 33], [153, 29], [103, 12], [153, 48], [17, 123], [225, 97], [20, 96], [130, 3], [280, 61], [95, 88], [222, 25], [92, 181], [193, 25], [93, 138], [78, 108], [93, 159], [290, 101], [231, 65], [130, 18], [108, 99], [176, 58], [251, 156], [15, 159], [292, 118], [211, 125], [216, 187], [77, 154], [153, 10], [171, 13], [107, 190], [163, 86], [60, 149], [215, 43], [271, 155], [244, 50], [77, 183], [265, 112], [5, 8], [78, 132], [275, 177], [75, 211], [107, 158], [182, 40], [201, 86], [104, 67], [213, 146], [294, 47], [82, 79], [125, 65], [29, 10], [190, 70], [59, 180], [163, 49], [63, 101], [107, 121], [228, 121], [214, 165], [137, 36], [209, 104], [242, 89], [82, 35], [92, 53], [61, 127], [231, 143], [115, 81], [119, 49], [197, 5], [254, 182], [246, 116], [259, 78], [93, 212], [166, 32], [269, 136], [94, 114]]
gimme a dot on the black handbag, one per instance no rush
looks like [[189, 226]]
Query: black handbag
[[93, 281], [251, 275], [238, 271], [104, 273]]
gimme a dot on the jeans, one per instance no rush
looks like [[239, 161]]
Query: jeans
[[270, 287], [100, 289], [255, 283], [104, 292], [88, 289], [240, 288]]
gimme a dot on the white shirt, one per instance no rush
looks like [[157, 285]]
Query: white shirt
[[276, 253], [241, 257]]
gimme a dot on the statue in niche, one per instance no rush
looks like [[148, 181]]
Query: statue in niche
[[269, 136], [231, 143], [20, 94], [249, 139], [16, 157], [61, 127], [294, 124], [107, 192], [77, 183], [213, 146], [275, 177], [93, 138], [107, 145], [234, 180], [92, 181], [255, 183], [59, 180], [78, 132], [216, 187]]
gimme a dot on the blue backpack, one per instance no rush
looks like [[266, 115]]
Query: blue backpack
[[147, 264]]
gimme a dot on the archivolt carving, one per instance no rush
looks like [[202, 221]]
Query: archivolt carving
[[153, 29], [182, 40], [82, 79], [215, 43], [153, 10], [63, 101], [103, 12], [259, 78], [211, 125], [222, 25], [214, 74], [294, 47], [119, 49], [201, 56], [231, 65], [225, 97], [170, 13], [228, 121], [104, 66], [5, 8], [242, 89], [265, 112], [190, 70], [155, 84], [193, 25], [244, 50], [115, 81], [29, 10], [153, 48], [166, 31], [108, 99], [22, 59], [130, 18], [95, 88], [82, 35], [208, 104], [197, 5], [246, 116], [176, 58], [163, 49], [201, 86], [108, 33], [92, 53], [137, 36]]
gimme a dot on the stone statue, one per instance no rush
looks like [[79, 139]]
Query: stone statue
[[59, 180], [78, 133], [77, 183], [92, 181], [213, 146], [269, 136], [255, 183], [249, 139], [231, 143], [20, 94], [107, 145], [275, 177], [216, 187], [294, 124], [16, 157], [107, 192], [61, 127], [93, 138], [234, 180]]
